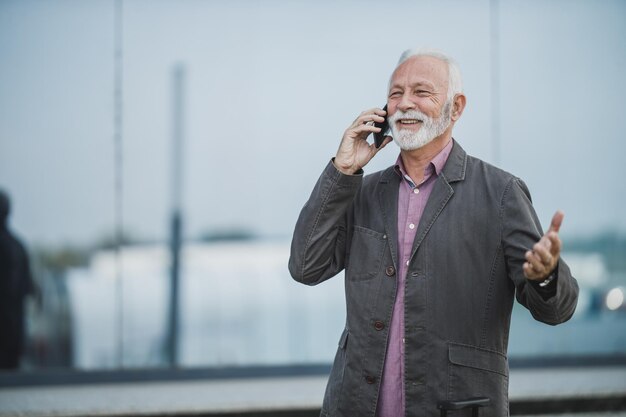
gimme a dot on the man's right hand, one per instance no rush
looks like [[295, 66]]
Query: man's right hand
[[354, 152]]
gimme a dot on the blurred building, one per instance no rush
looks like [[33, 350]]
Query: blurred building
[[239, 306]]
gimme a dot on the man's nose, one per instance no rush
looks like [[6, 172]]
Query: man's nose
[[406, 103]]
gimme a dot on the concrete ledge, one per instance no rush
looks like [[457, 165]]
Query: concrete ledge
[[165, 398], [289, 396]]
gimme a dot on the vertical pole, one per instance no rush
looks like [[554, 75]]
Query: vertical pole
[[118, 163], [178, 86], [494, 14]]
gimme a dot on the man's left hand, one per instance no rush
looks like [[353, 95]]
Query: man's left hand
[[544, 256]]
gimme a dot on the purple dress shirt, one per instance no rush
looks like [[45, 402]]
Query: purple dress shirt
[[412, 199]]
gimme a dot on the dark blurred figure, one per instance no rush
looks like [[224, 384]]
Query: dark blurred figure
[[15, 284]]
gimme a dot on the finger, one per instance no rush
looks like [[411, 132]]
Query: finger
[[557, 219], [373, 111], [368, 119], [360, 128], [365, 128], [543, 252], [555, 243], [536, 263], [545, 241], [359, 133], [384, 143], [528, 271], [378, 111], [388, 139]]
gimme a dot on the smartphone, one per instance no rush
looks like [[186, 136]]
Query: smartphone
[[379, 137]]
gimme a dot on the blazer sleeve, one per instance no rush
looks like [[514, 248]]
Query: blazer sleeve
[[521, 229], [321, 236]]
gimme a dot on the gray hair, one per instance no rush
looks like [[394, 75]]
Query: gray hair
[[455, 82]]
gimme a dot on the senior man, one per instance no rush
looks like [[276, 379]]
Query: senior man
[[435, 248]]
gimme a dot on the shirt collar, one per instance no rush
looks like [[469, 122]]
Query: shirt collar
[[436, 164]]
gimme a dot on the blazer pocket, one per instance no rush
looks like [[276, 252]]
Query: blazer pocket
[[366, 254], [477, 372], [475, 357]]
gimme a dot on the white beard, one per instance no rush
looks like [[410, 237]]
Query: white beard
[[409, 140]]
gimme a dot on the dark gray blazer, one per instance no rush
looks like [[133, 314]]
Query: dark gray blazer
[[465, 269]]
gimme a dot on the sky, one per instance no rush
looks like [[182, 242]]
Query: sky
[[270, 88]]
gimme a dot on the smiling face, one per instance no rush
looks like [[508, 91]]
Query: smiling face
[[417, 104]]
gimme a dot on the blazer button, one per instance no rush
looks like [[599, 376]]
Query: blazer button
[[379, 325], [370, 379], [390, 271]]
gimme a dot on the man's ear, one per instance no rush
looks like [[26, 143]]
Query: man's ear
[[458, 105]]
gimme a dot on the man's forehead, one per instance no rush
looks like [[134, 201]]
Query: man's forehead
[[421, 69]]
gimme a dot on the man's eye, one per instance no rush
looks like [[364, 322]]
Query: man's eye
[[421, 92], [395, 94]]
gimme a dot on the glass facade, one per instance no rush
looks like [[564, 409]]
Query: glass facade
[[102, 144]]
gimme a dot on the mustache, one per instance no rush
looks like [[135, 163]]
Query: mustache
[[411, 114]]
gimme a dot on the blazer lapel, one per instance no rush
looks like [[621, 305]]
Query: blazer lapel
[[454, 170], [388, 201]]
